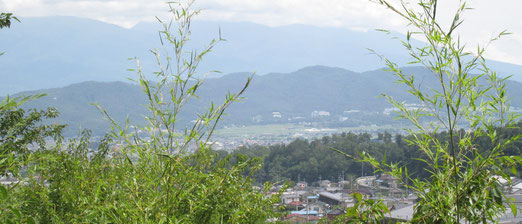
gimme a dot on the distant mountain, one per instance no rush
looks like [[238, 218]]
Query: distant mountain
[[349, 98], [49, 52]]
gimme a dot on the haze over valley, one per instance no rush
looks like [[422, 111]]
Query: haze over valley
[[317, 80], [272, 111], [50, 52]]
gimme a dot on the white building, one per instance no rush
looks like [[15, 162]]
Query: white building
[[320, 113]]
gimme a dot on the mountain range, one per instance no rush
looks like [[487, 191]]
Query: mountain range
[[328, 95], [50, 52]]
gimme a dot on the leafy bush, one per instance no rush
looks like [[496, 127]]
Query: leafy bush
[[158, 173], [464, 181]]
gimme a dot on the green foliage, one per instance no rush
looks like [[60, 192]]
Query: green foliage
[[364, 211], [9, 103], [463, 183], [5, 19], [322, 86], [313, 160], [88, 186], [157, 173], [20, 133], [185, 186]]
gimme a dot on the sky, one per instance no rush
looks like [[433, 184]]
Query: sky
[[487, 18]]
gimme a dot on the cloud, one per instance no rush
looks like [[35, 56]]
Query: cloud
[[353, 13], [338, 13], [489, 16], [60, 1], [125, 13]]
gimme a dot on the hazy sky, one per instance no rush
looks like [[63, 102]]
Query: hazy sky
[[488, 17]]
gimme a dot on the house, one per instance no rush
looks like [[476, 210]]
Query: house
[[330, 198], [312, 198], [297, 205], [388, 181], [333, 189], [403, 214], [335, 199], [318, 206], [344, 184], [325, 183], [406, 213], [301, 185], [288, 197]]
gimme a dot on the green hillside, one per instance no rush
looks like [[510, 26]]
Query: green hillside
[[350, 98]]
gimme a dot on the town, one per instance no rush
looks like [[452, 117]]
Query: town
[[324, 199]]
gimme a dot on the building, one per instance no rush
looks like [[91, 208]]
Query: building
[[301, 185], [335, 199], [320, 113], [325, 183], [288, 197]]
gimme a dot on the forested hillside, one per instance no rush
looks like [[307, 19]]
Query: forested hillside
[[312, 160], [342, 93]]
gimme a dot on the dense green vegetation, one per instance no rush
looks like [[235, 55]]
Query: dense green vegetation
[[147, 174], [461, 186], [161, 172], [311, 160], [295, 95], [70, 183], [6, 18]]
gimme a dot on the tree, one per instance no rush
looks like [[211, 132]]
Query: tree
[[464, 181], [5, 19], [19, 132], [363, 211], [158, 173]]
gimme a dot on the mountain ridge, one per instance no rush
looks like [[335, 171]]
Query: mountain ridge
[[295, 96], [46, 52]]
